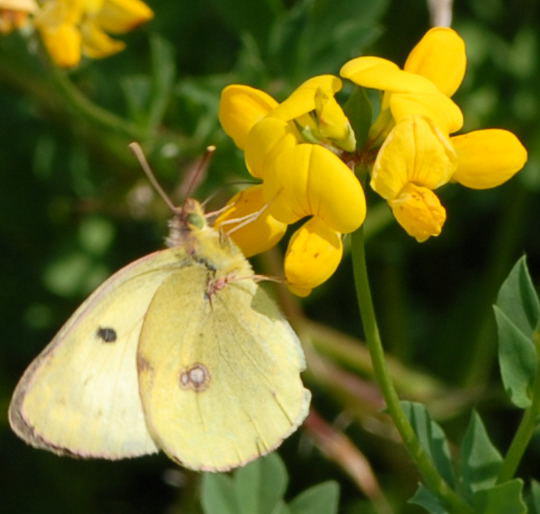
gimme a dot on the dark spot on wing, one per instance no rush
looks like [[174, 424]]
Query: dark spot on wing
[[143, 364], [106, 334]]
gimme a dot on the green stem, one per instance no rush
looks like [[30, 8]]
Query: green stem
[[94, 112], [429, 473], [526, 428]]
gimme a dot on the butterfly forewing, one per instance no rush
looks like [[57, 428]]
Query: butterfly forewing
[[80, 395]]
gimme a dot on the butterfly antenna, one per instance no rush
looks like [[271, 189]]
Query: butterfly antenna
[[202, 165], [139, 154]]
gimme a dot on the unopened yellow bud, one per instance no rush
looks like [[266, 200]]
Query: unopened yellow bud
[[419, 211], [332, 122]]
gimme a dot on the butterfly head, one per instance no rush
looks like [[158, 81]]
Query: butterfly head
[[188, 219], [192, 216]]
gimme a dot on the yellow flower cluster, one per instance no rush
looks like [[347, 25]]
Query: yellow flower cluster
[[416, 121], [299, 149], [294, 148], [72, 28]]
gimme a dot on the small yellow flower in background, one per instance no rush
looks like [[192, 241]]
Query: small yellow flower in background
[[294, 147], [418, 153], [14, 14], [72, 28]]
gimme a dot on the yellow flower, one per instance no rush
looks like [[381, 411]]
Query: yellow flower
[[432, 73], [14, 14], [71, 28], [257, 235], [416, 119], [294, 147]]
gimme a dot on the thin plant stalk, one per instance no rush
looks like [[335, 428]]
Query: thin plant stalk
[[526, 428], [431, 477]]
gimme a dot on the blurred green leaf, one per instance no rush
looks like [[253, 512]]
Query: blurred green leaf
[[431, 437], [218, 494], [502, 499], [517, 360], [163, 77], [73, 273], [359, 111], [535, 497], [136, 90], [318, 36], [96, 235], [147, 97], [319, 499], [260, 485], [479, 460], [248, 16], [517, 298], [281, 508], [426, 499]]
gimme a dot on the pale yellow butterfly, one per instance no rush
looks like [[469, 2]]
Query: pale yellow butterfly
[[180, 350]]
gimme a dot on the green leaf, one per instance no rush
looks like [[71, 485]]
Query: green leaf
[[535, 497], [431, 437], [358, 110], [319, 499], [260, 485], [479, 459], [502, 499], [163, 76], [248, 16], [218, 494], [518, 299], [517, 360], [136, 90], [426, 499], [281, 508]]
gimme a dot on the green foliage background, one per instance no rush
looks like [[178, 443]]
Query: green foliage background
[[74, 207]]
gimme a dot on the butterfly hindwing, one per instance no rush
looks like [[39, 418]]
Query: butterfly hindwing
[[220, 380]]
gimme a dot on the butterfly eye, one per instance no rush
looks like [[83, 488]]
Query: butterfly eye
[[196, 220], [107, 334]]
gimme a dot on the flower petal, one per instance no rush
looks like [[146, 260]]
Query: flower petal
[[120, 16], [440, 57], [310, 180], [414, 151], [435, 106], [378, 73], [313, 254], [96, 43], [418, 210], [302, 99], [267, 137], [240, 108], [63, 44], [256, 236], [487, 158]]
